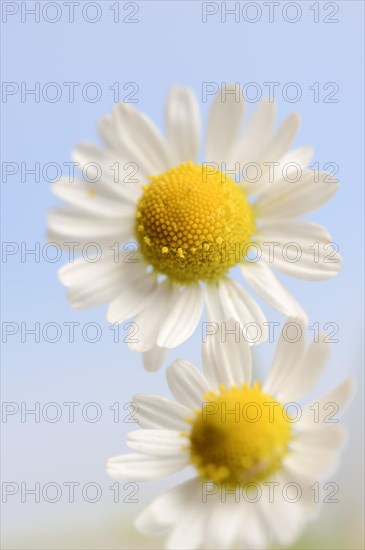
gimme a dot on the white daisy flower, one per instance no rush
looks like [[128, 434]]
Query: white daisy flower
[[242, 438], [191, 222]]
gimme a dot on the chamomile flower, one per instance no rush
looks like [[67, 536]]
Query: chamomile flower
[[258, 455], [191, 222]]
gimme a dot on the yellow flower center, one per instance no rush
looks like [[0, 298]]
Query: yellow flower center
[[193, 223], [239, 436]]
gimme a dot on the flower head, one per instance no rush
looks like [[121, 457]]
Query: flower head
[[256, 452], [167, 230], [186, 218]]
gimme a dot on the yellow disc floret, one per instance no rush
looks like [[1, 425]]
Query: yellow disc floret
[[193, 223], [239, 436]]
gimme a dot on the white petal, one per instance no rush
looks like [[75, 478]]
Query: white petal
[[213, 304], [286, 199], [286, 231], [106, 131], [115, 176], [188, 533], [167, 510], [81, 271], [305, 372], [139, 140], [291, 166], [238, 305], [101, 291], [226, 357], [91, 200], [182, 318], [319, 440], [307, 508], [151, 319], [154, 358], [256, 135], [187, 384], [289, 352], [91, 284], [182, 123], [300, 248], [253, 533], [260, 277], [282, 139], [135, 295], [157, 442], [275, 149], [72, 225], [327, 408], [284, 519], [154, 411], [312, 457], [224, 523], [306, 267], [313, 467], [224, 123], [139, 467], [300, 156]]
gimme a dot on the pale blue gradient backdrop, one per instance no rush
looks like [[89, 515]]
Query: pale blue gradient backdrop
[[170, 45]]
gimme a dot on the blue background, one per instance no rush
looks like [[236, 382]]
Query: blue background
[[169, 45]]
